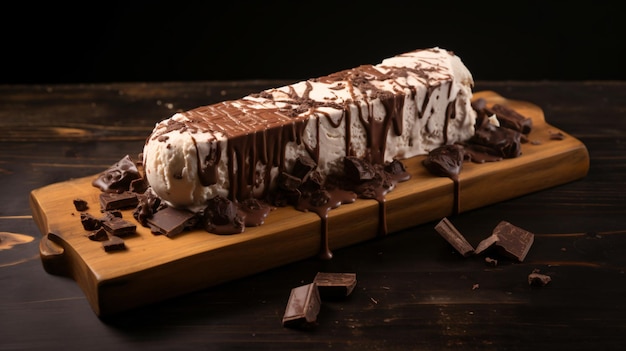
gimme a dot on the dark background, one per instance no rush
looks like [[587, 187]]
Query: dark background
[[134, 41]]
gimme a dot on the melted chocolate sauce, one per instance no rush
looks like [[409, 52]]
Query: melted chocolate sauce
[[334, 198]]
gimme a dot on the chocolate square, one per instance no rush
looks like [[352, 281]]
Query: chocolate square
[[335, 285], [171, 221]]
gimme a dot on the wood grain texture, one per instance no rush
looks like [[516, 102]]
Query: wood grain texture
[[155, 268]]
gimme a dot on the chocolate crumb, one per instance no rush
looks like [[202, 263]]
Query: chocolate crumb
[[81, 205], [537, 279], [90, 222], [491, 261]]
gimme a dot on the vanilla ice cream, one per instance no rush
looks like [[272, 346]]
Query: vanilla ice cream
[[405, 106]]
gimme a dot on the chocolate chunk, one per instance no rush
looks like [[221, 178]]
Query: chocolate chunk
[[357, 169], [118, 177], [510, 118], [303, 166], [90, 222], [221, 216], [139, 186], [303, 307], [80, 205], [99, 234], [118, 201], [335, 285], [108, 215], [288, 182], [486, 244], [396, 168], [447, 230], [313, 182], [119, 227], [500, 141], [445, 161], [114, 243], [513, 241], [171, 221]]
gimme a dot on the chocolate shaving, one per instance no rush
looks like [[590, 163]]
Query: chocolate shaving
[[171, 221]]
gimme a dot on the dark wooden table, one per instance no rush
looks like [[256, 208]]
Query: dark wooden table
[[413, 292]]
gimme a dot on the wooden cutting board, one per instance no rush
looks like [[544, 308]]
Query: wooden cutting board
[[155, 267]]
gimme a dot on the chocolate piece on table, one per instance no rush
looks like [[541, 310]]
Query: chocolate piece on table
[[171, 221], [114, 243], [513, 241], [510, 118], [335, 285], [445, 161], [500, 141], [99, 234], [119, 227], [118, 201], [447, 230], [90, 222], [303, 307], [80, 205], [221, 216], [118, 177], [537, 279]]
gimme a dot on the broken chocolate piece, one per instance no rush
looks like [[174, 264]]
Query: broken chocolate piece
[[117, 226], [221, 216], [139, 186], [288, 182], [513, 241], [303, 307], [114, 244], [171, 221], [118, 201], [89, 222], [335, 285], [454, 237], [445, 161], [498, 141], [485, 244], [99, 234], [80, 205], [118, 177], [303, 166], [510, 118], [357, 169]]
